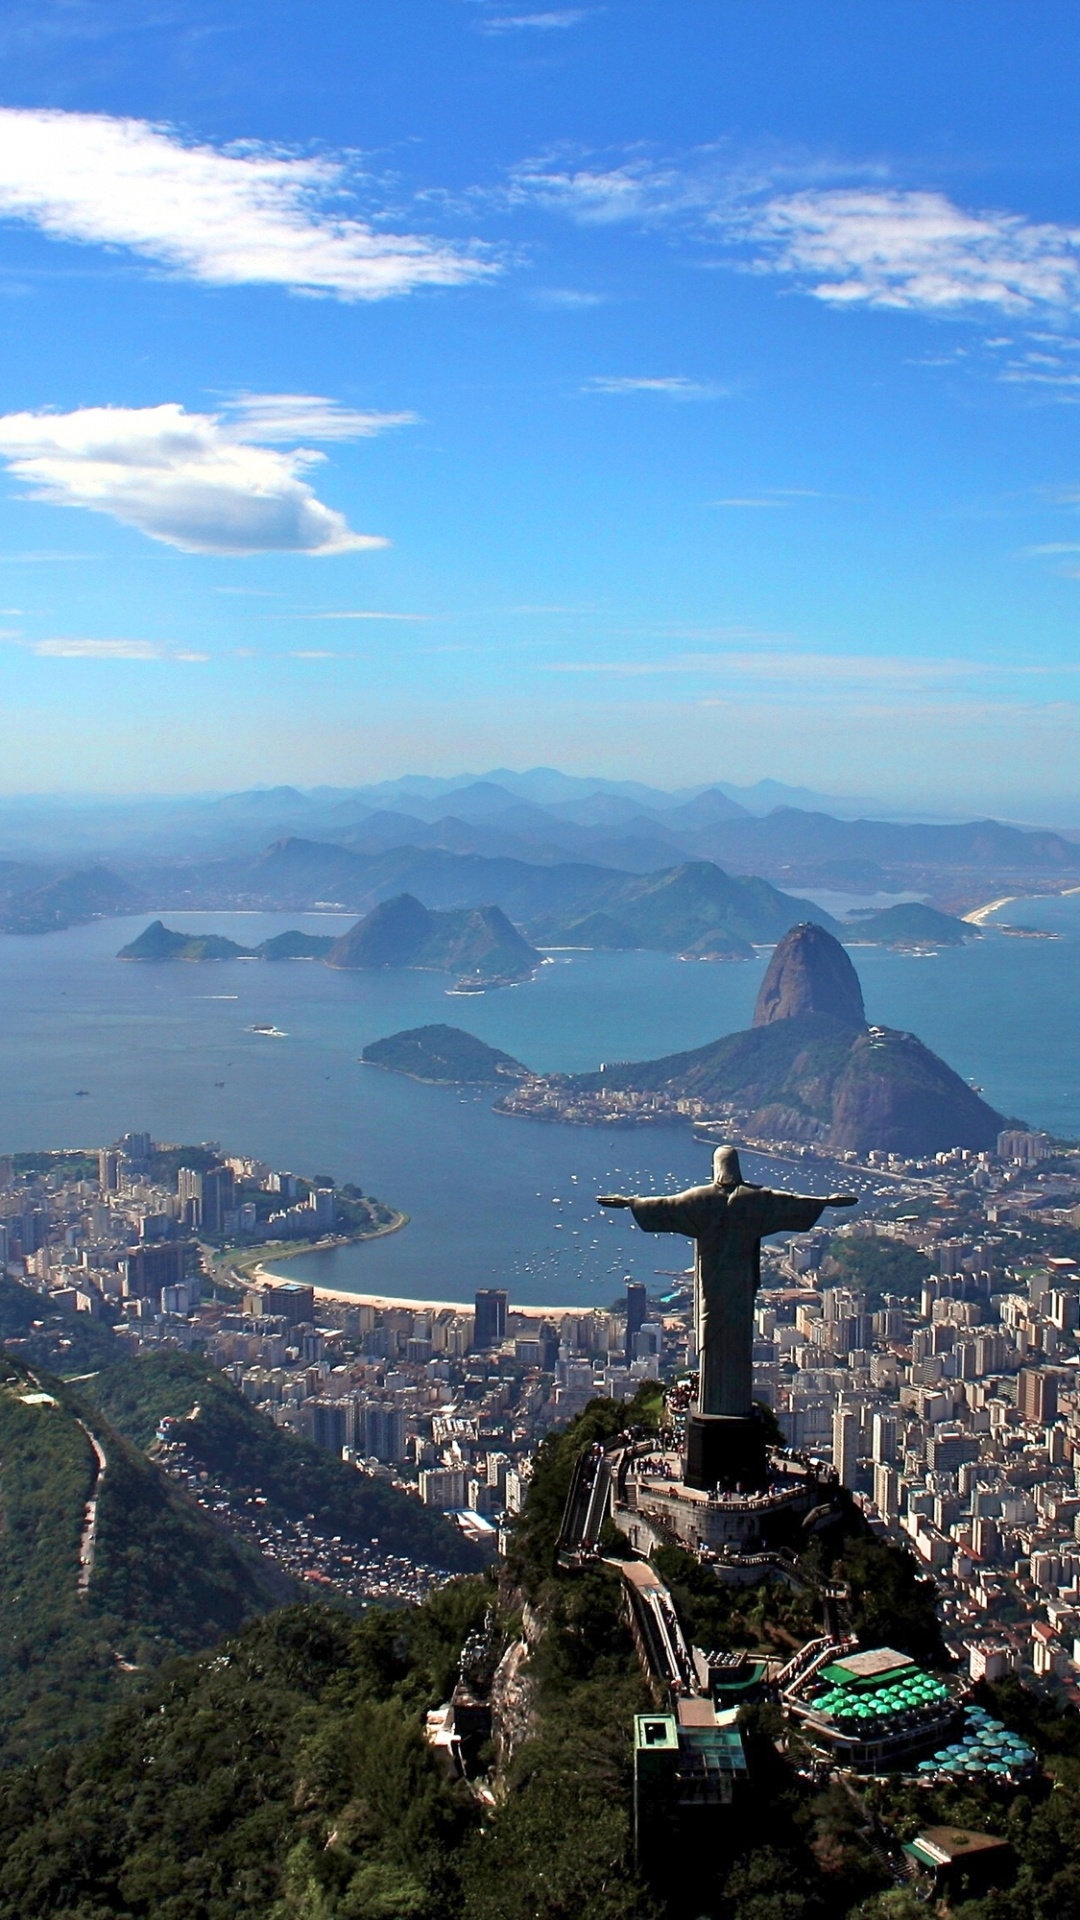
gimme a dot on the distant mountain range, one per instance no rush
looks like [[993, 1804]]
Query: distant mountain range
[[695, 910], [546, 849], [790, 843], [53, 827]]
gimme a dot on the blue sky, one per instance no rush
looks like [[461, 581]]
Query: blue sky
[[672, 389]]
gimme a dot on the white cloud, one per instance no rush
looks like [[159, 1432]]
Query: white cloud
[[671, 386], [916, 250], [229, 216], [870, 244], [553, 21], [67, 649], [596, 196], [188, 479], [307, 416]]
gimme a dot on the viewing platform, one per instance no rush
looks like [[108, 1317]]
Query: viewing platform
[[653, 1506]]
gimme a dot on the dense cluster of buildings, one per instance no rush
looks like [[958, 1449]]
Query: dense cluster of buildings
[[949, 1410], [449, 1403], [953, 1414], [553, 1097], [123, 1228]]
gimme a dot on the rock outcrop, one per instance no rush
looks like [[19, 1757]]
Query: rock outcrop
[[477, 941], [809, 1069], [810, 973]]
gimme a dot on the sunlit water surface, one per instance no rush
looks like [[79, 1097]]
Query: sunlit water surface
[[90, 1047]]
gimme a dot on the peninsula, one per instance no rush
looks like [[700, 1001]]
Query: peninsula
[[910, 924], [810, 1070]]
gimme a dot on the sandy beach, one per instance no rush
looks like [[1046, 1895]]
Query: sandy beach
[[979, 916], [260, 1276]]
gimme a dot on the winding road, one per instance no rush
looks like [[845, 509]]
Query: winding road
[[88, 1536]]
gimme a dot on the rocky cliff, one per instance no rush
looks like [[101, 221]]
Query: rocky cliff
[[810, 1069], [810, 973]]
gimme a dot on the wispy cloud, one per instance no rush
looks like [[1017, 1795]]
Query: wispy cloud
[[671, 386], [569, 299], [307, 416], [863, 241], [192, 480], [231, 216], [73, 649], [749, 501], [775, 497], [553, 21], [916, 250], [355, 614], [785, 669], [638, 188]]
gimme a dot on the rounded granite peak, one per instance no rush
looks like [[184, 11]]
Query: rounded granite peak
[[810, 973]]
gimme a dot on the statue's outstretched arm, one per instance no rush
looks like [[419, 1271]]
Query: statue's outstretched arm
[[670, 1213]]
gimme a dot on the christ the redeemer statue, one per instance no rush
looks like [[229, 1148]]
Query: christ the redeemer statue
[[727, 1220]]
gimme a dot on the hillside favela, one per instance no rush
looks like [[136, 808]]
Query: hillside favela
[[539, 961]]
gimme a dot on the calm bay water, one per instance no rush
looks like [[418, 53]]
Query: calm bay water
[[492, 1200]]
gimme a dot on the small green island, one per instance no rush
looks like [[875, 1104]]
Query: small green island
[[444, 1056], [911, 924]]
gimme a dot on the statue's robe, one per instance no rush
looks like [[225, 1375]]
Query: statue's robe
[[727, 1223]]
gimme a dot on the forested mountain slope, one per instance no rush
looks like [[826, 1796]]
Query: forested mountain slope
[[106, 1569], [244, 1452]]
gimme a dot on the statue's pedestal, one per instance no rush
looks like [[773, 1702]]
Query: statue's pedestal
[[723, 1450]]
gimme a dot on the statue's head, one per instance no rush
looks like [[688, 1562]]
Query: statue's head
[[726, 1171]]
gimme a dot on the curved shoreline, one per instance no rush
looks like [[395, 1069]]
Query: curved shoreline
[[339, 1297], [248, 1263], [261, 1273]]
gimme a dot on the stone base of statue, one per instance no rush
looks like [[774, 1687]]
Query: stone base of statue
[[723, 1450]]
